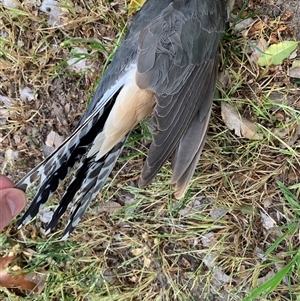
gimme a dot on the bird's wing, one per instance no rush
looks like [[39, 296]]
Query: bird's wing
[[177, 61], [188, 151]]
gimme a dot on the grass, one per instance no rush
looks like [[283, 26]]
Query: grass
[[215, 242], [288, 272]]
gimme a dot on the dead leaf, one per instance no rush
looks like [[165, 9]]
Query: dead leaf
[[257, 27], [10, 155], [10, 3], [54, 140], [137, 251], [208, 239], [30, 282], [4, 113], [6, 101], [225, 78], [217, 213], [290, 134], [191, 207], [295, 69], [110, 207], [242, 127], [293, 55], [242, 25], [50, 8], [46, 215], [258, 48], [260, 254], [147, 261], [26, 94], [78, 62], [265, 278], [185, 263], [267, 221], [219, 277], [146, 256]]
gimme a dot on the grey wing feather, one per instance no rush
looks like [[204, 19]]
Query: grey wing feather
[[190, 147], [187, 154], [127, 52], [172, 124], [177, 61]]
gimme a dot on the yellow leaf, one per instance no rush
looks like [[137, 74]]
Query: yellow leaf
[[135, 5]]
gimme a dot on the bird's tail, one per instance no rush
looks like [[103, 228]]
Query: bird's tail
[[89, 178]]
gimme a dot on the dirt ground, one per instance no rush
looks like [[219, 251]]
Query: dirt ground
[[274, 8]]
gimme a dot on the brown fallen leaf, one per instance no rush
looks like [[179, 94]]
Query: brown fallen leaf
[[295, 69], [109, 207], [137, 251], [242, 127], [258, 48], [17, 280], [54, 140]]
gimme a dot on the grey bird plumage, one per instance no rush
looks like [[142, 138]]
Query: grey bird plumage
[[166, 67]]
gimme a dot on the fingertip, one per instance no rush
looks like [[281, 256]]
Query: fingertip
[[5, 182], [16, 200]]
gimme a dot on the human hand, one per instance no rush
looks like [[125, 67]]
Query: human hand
[[12, 201]]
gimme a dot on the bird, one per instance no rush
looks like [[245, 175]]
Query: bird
[[165, 69]]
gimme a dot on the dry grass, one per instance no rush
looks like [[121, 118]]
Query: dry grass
[[211, 245]]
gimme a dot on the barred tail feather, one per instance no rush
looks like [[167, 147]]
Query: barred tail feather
[[55, 168], [96, 174], [91, 176]]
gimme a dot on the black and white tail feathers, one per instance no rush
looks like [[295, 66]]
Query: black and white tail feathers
[[89, 178]]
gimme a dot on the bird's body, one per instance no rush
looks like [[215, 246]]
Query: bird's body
[[165, 68]]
